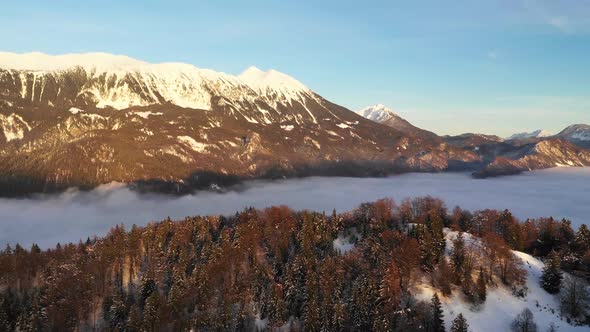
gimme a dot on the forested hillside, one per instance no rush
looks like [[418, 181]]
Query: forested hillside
[[371, 269]]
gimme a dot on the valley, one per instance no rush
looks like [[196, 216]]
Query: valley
[[74, 215]]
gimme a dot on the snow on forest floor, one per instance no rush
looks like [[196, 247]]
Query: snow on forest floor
[[501, 306], [345, 241]]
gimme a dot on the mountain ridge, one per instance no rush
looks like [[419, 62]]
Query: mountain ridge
[[178, 127], [79, 126]]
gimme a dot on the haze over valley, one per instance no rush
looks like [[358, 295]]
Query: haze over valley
[[73, 215]]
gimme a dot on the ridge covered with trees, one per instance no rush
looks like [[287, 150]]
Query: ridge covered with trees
[[279, 269]]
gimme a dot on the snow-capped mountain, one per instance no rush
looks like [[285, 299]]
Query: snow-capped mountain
[[382, 114], [87, 119], [103, 80], [578, 134], [378, 113], [540, 133]]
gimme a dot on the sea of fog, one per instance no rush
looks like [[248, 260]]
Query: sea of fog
[[73, 215]]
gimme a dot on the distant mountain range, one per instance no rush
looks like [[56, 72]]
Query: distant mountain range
[[384, 115], [87, 119], [534, 134], [517, 153]]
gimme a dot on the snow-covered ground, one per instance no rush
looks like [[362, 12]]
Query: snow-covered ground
[[345, 242], [501, 306]]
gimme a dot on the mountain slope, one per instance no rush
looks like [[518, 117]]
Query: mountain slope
[[501, 306], [87, 119]]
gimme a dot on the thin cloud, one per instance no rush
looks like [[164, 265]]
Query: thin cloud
[[560, 22]]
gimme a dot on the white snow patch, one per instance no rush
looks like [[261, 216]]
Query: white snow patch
[[333, 133], [147, 131], [288, 127], [75, 110], [93, 117], [343, 244], [193, 144], [353, 134], [147, 114], [171, 150], [13, 127], [581, 135], [260, 324], [230, 143], [343, 125], [308, 139]]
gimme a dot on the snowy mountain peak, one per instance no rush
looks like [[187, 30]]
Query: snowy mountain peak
[[120, 82], [44, 62], [378, 113], [533, 134], [270, 80]]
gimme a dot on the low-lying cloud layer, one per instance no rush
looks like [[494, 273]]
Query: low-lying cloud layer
[[75, 215]]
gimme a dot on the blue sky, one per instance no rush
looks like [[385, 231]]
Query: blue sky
[[484, 66]]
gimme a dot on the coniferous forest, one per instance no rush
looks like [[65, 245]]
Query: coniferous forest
[[279, 269]]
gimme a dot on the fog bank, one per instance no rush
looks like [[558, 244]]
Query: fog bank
[[73, 215]]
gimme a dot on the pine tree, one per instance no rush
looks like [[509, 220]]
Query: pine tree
[[339, 318], [439, 238], [4, 323], [151, 311], [133, 323], [480, 286], [442, 277], [574, 297], [146, 288], [458, 254], [117, 313], [460, 324], [582, 238], [524, 322], [438, 323], [35, 249], [552, 276]]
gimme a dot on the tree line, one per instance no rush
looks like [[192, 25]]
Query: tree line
[[277, 269]]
